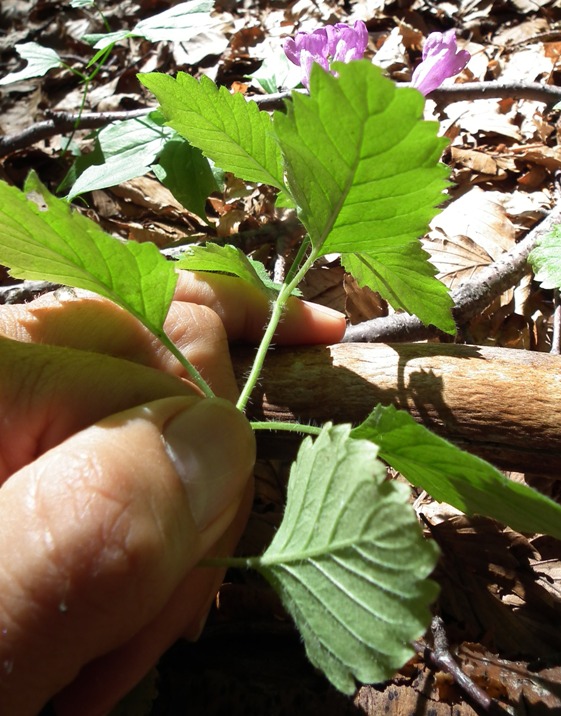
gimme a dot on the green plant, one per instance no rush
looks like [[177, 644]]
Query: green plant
[[361, 167]]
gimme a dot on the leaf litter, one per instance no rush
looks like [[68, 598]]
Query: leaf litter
[[501, 592]]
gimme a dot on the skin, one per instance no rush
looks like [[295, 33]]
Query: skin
[[100, 530]]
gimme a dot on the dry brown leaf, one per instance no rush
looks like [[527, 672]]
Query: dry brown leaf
[[472, 12], [524, 208], [324, 284], [528, 64], [548, 157], [479, 62], [520, 32], [530, 6], [362, 303], [468, 235], [149, 194], [392, 55], [418, 695], [483, 117], [512, 681], [480, 162]]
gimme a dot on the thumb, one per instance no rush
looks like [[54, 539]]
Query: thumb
[[97, 533]]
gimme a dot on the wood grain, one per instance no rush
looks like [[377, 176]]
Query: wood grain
[[499, 403]]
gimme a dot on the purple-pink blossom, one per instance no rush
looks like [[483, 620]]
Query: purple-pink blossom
[[332, 43], [441, 59]]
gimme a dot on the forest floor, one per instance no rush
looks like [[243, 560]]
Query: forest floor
[[500, 595]]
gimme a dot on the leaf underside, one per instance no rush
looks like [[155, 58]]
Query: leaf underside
[[349, 561], [129, 148], [39, 61]]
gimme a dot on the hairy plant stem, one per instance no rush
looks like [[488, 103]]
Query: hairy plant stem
[[276, 315], [297, 259], [192, 372], [288, 427], [236, 562]]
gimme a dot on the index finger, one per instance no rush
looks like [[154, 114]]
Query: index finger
[[245, 310]]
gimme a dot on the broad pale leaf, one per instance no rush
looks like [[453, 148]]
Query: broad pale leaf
[[39, 61], [41, 238], [228, 129], [361, 162], [349, 561], [456, 477], [178, 24], [187, 174], [404, 276], [129, 149], [546, 259]]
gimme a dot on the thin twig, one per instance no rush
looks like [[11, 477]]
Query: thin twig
[[469, 299], [532, 91], [439, 657], [61, 122]]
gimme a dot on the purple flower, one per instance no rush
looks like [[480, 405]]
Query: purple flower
[[441, 59], [333, 43]]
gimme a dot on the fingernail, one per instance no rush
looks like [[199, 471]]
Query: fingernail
[[325, 310], [212, 448]]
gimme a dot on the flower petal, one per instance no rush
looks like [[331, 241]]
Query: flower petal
[[441, 59]]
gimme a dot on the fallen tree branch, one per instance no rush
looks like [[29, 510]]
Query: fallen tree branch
[[469, 299], [61, 122], [532, 91], [501, 404]]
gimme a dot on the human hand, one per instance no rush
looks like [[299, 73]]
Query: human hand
[[117, 479]]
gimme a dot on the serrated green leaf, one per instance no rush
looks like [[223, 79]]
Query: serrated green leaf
[[187, 174], [284, 201], [129, 149], [361, 162], [404, 276], [349, 561], [223, 259], [40, 238], [228, 129], [454, 476], [232, 261], [180, 23], [39, 61], [546, 259]]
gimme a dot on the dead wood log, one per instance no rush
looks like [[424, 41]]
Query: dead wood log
[[501, 404]]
